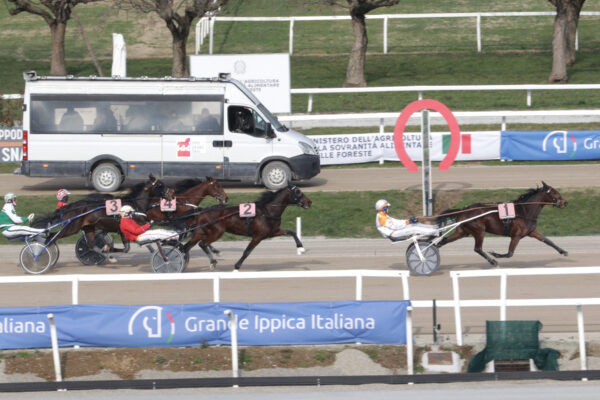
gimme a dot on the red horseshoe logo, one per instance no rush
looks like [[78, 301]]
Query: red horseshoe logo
[[401, 124]]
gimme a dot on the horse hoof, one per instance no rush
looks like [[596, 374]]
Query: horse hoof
[[301, 250], [106, 248], [111, 259], [213, 266], [565, 253], [236, 270]]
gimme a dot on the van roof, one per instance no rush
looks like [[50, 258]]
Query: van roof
[[33, 76]]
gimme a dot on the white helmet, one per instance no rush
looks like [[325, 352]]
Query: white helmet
[[126, 211], [381, 204], [9, 197], [61, 194]]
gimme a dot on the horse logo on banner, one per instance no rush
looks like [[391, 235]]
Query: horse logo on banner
[[408, 111]]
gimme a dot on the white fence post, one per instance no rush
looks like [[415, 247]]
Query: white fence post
[[54, 341], [385, 35], [580, 330], [211, 30], [503, 297], [234, 343], [479, 33], [457, 318], [291, 49], [409, 342]]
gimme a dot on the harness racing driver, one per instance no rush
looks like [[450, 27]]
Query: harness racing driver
[[400, 229]]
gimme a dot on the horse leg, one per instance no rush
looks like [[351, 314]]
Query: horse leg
[[90, 237], [514, 241], [253, 243], [299, 244], [207, 249], [539, 236], [479, 248]]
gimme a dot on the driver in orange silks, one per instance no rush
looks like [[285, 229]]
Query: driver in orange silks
[[400, 229]]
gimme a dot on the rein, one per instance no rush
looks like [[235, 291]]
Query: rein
[[485, 207]]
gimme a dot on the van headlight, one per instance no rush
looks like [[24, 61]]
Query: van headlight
[[307, 148]]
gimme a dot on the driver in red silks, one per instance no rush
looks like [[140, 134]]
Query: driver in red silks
[[141, 233], [63, 198]]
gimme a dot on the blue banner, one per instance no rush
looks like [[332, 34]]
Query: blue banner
[[259, 324], [550, 145]]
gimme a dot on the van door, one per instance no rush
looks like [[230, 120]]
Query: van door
[[247, 145], [193, 137]]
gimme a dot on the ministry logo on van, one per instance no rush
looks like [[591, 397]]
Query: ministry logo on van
[[149, 319], [183, 147]]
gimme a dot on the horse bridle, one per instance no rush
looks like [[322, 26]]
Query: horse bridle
[[295, 198], [554, 199], [218, 197]]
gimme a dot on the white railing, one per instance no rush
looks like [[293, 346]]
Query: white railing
[[384, 17], [463, 118], [503, 302], [216, 277], [449, 88]]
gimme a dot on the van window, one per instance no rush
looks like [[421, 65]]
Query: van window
[[246, 120], [127, 114]]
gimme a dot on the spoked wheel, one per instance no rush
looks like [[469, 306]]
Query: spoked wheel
[[54, 253], [167, 259], [35, 258], [430, 262], [86, 255]]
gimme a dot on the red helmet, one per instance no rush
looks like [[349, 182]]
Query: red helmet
[[61, 194]]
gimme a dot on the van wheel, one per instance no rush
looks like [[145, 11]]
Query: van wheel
[[106, 178], [275, 175]]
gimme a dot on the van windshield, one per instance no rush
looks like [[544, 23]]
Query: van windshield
[[278, 126]]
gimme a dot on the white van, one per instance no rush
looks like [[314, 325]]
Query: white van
[[109, 129]]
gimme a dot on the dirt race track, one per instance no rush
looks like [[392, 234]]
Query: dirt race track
[[327, 254]]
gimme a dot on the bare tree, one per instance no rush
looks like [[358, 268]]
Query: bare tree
[[355, 72], [178, 15], [55, 13], [563, 38]]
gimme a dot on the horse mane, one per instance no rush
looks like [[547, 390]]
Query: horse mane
[[527, 195], [267, 197], [134, 192], [185, 184]]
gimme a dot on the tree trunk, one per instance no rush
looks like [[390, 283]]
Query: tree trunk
[[573, 11], [180, 66], [57, 59], [559, 46], [355, 73]]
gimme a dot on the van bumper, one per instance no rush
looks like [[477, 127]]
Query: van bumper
[[305, 166]]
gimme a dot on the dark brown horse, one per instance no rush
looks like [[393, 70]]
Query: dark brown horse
[[214, 221], [89, 214], [527, 208]]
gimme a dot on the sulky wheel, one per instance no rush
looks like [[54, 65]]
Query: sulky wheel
[[88, 256], [167, 259], [54, 253], [430, 262], [35, 258]]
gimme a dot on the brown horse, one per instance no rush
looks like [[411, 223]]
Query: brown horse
[[89, 214], [527, 208], [188, 194], [213, 222]]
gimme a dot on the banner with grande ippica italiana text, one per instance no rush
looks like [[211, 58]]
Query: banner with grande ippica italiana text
[[259, 324], [11, 144], [369, 147], [550, 145]]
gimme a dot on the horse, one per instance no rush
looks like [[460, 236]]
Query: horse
[[188, 194], [209, 225], [527, 208], [89, 214]]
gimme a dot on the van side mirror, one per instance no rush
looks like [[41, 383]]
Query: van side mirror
[[270, 133]]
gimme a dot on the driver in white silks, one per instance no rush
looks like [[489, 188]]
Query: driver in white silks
[[400, 229], [9, 220]]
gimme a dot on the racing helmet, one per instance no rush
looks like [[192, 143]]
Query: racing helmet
[[126, 211], [381, 205], [61, 194], [10, 198]]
